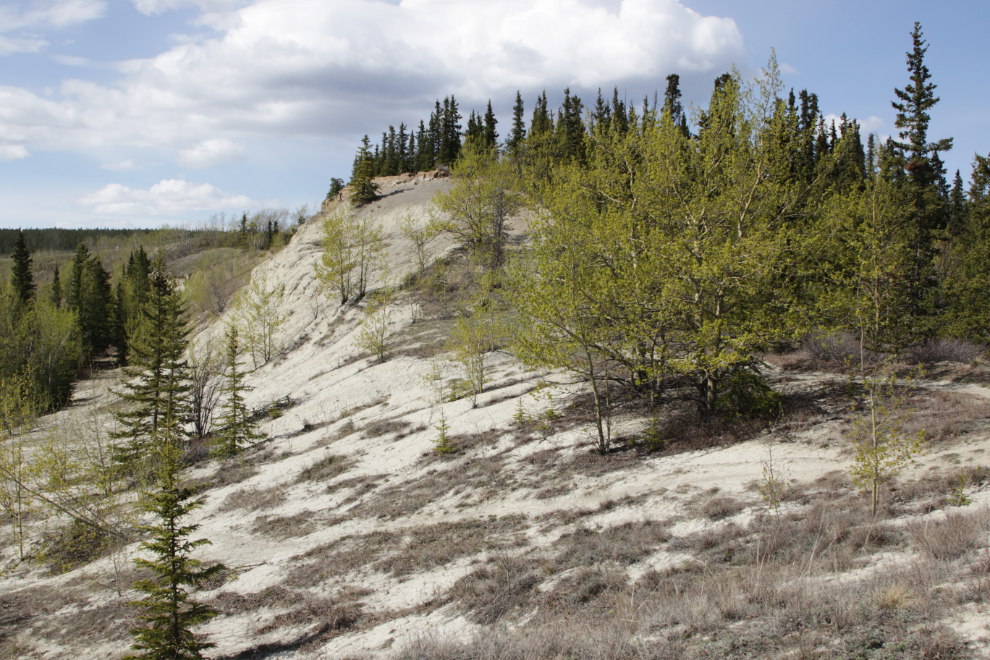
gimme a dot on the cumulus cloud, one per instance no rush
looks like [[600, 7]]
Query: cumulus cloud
[[211, 152], [122, 166], [167, 197], [872, 124], [306, 68]]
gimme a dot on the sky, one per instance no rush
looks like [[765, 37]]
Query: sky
[[139, 113]]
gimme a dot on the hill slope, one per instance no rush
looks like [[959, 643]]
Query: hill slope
[[350, 537]]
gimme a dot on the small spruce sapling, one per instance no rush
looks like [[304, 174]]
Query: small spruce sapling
[[237, 428], [168, 610]]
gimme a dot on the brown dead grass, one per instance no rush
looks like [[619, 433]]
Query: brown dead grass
[[327, 468], [475, 479], [254, 499], [400, 554], [286, 527], [950, 537]]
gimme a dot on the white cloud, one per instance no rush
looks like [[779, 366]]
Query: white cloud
[[8, 45], [52, 14], [308, 68], [12, 152], [122, 166], [211, 152], [787, 69], [872, 124], [167, 197]]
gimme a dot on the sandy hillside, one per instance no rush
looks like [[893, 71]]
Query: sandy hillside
[[348, 536]]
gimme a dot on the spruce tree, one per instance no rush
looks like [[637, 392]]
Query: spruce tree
[[920, 164], [155, 396], [21, 277], [518, 134], [363, 189], [672, 103], [957, 206], [168, 610], [474, 134], [56, 291], [236, 426], [489, 133]]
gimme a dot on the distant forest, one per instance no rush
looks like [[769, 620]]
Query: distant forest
[[63, 240]]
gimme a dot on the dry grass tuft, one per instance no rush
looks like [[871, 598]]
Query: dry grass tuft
[[326, 469], [254, 499], [285, 527], [951, 537], [721, 506]]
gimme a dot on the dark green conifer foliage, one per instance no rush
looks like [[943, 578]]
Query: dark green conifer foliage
[[969, 278], [474, 135], [489, 133], [672, 103], [74, 296], [120, 324], [920, 164], [957, 206], [336, 185], [619, 113], [601, 116], [401, 142], [155, 396], [412, 157], [541, 123], [570, 128], [363, 189], [168, 611], [450, 132], [426, 155], [518, 134], [237, 428], [21, 277], [56, 291]]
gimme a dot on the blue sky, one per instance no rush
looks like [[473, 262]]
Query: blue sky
[[148, 112]]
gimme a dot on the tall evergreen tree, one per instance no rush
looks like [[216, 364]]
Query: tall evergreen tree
[[21, 277], [474, 135], [450, 132], [74, 295], [237, 429], [119, 338], [518, 134], [489, 133], [570, 128], [541, 123], [620, 118], [155, 396], [957, 206], [672, 103], [401, 154], [426, 156], [923, 171], [56, 291]]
